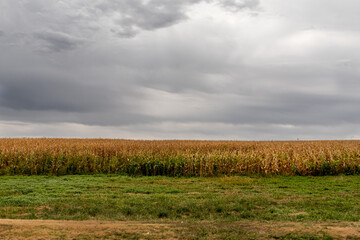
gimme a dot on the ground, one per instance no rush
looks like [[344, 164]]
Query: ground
[[237, 207], [60, 229]]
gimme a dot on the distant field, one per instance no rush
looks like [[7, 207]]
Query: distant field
[[177, 158]]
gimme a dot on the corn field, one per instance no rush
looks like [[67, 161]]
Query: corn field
[[177, 158]]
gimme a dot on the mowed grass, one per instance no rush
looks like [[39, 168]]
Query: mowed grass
[[197, 208], [331, 198]]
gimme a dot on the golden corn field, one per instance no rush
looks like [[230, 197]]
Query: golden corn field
[[177, 158]]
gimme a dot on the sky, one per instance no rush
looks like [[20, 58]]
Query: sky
[[180, 69]]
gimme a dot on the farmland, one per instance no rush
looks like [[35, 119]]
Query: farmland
[[177, 158], [239, 207], [123, 189]]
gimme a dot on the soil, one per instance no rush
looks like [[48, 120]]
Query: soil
[[60, 229], [52, 229], [338, 230]]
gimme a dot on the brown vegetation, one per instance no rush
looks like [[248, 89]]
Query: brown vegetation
[[59, 229], [177, 158]]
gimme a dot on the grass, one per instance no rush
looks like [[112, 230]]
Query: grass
[[203, 208], [331, 198]]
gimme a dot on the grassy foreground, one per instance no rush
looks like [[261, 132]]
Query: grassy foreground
[[197, 208]]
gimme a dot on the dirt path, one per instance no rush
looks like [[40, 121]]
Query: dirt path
[[339, 230], [52, 229]]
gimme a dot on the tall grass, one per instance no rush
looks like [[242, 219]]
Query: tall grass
[[177, 158]]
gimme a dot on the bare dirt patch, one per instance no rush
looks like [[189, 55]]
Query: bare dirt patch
[[340, 230], [193, 193], [298, 214], [53, 229], [50, 229], [346, 232], [137, 194], [283, 230]]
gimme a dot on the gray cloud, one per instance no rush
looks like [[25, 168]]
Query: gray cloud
[[36, 94], [179, 69], [237, 5], [2, 33], [135, 15], [295, 109], [58, 41], [155, 14], [60, 21]]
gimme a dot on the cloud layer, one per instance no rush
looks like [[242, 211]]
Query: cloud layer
[[202, 69]]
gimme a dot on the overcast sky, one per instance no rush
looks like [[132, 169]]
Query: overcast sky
[[180, 69]]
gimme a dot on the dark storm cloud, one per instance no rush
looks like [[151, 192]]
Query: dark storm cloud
[[35, 94], [57, 41]]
